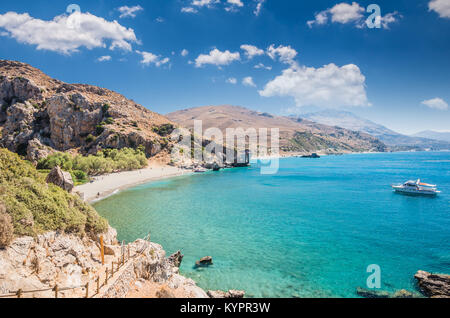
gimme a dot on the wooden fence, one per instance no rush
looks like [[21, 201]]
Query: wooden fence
[[115, 267]]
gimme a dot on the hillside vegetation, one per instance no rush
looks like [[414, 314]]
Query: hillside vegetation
[[35, 207], [105, 161]]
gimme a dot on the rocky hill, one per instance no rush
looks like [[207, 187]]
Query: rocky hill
[[39, 115], [296, 135]]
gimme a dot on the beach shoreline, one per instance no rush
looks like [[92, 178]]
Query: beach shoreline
[[104, 186]]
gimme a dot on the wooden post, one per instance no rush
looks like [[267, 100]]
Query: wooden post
[[19, 293], [112, 269], [106, 279], [123, 252], [56, 291], [87, 290], [102, 250], [98, 285], [128, 252]]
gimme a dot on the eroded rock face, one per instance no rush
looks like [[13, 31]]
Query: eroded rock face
[[433, 285], [53, 258], [60, 178], [176, 259], [71, 119], [17, 89], [36, 150]]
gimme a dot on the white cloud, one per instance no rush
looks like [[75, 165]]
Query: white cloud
[[286, 54], [258, 7], [237, 3], [441, 7], [251, 50], [262, 66], [329, 86], [436, 103], [232, 80], [388, 19], [340, 13], [184, 52], [248, 81], [104, 58], [150, 58], [67, 34], [202, 3], [345, 13], [159, 19], [189, 10], [216, 57], [129, 12]]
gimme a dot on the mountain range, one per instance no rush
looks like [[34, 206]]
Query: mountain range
[[430, 134], [296, 135], [394, 140]]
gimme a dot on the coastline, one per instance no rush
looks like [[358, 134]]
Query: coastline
[[106, 185]]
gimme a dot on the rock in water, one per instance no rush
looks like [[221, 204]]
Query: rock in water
[[61, 179], [204, 262], [368, 293], [433, 285], [176, 258]]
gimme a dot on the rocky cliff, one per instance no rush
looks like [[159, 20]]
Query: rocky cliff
[[39, 115], [39, 264]]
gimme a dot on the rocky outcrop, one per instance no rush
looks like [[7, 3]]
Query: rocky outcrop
[[35, 108], [433, 285], [229, 294], [371, 293], [176, 259], [204, 262], [65, 260], [42, 262], [60, 178]]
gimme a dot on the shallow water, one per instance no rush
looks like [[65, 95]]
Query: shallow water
[[309, 231]]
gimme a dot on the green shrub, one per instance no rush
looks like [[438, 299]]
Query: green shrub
[[99, 129], [105, 161], [109, 121], [105, 108], [36, 207], [90, 139]]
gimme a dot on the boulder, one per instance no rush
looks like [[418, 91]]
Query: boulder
[[433, 285], [61, 179], [176, 258], [204, 262]]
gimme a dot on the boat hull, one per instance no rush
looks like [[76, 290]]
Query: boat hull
[[416, 192]]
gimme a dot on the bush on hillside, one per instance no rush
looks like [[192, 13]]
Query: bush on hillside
[[106, 161], [36, 207]]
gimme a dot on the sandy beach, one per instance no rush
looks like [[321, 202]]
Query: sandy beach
[[106, 185]]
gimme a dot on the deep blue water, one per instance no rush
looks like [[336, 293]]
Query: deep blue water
[[309, 231]]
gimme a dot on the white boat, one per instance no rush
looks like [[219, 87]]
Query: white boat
[[416, 187]]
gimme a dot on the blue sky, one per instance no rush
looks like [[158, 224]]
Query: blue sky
[[397, 75]]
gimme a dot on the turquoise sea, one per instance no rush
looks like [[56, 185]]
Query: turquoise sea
[[309, 231]]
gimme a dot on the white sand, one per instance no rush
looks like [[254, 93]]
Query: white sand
[[106, 185]]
